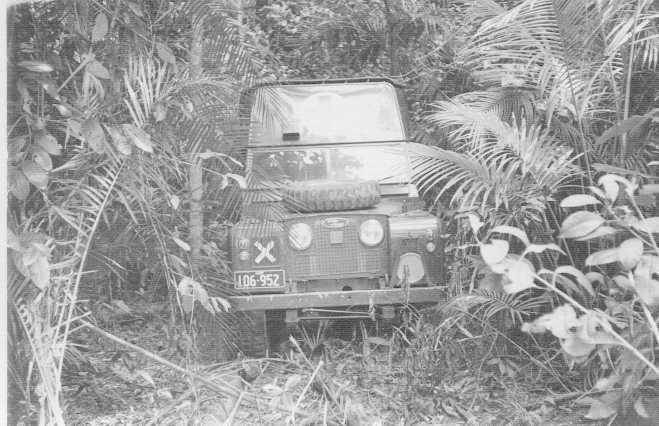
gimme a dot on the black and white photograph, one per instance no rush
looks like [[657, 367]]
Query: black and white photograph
[[330, 212]]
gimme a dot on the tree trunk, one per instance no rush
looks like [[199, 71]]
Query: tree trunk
[[196, 172], [390, 40]]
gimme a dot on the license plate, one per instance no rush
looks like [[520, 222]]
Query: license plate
[[259, 279]]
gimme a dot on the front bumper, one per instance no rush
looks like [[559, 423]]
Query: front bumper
[[389, 296]]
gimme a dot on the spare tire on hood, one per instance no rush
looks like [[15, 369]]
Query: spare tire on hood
[[330, 195]]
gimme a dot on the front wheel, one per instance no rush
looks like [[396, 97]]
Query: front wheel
[[250, 333]]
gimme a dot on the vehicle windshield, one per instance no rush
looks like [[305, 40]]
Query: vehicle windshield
[[325, 113], [384, 164]]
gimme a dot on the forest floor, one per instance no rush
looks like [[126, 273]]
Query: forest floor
[[372, 381]]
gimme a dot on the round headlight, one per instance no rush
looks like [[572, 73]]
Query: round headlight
[[299, 236], [371, 232]]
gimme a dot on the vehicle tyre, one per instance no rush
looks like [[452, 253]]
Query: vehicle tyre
[[325, 195]]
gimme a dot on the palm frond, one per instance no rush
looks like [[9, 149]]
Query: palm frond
[[570, 50], [487, 304], [507, 103], [516, 172]]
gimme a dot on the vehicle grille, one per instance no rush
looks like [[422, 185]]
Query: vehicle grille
[[347, 259]]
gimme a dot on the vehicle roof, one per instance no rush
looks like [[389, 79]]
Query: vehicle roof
[[326, 81]]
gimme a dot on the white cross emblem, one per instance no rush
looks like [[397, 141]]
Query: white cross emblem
[[264, 252]]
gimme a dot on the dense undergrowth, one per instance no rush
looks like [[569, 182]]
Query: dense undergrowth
[[536, 124]]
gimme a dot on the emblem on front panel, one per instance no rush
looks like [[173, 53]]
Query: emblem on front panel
[[334, 222], [265, 252]]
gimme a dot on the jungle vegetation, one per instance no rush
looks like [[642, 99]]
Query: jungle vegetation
[[536, 136]]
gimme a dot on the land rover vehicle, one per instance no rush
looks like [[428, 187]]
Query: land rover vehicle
[[331, 223]]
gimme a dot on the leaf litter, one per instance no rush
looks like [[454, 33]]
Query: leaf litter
[[377, 380]]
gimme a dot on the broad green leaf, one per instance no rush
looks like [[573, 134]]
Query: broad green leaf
[[580, 223], [182, 244], [165, 53], [606, 383], [139, 137], [190, 288], [596, 329], [630, 252], [645, 285], [521, 274], [41, 157], [602, 231], [15, 147], [492, 281], [93, 134], [581, 278], [35, 174], [98, 70], [18, 183], [649, 225], [602, 257], [36, 66], [50, 87], [475, 222], [186, 288], [49, 143], [120, 140], [187, 303], [568, 284], [494, 252], [240, 180], [639, 407], [32, 259], [63, 110], [576, 347], [211, 154], [539, 248], [74, 127], [610, 184], [579, 200], [40, 272], [603, 407], [623, 282], [559, 322], [511, 230], [622, 128], [595, 277], [595, 190], [100, 27]]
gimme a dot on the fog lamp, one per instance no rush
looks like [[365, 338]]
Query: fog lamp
[[410, 267], [430, 246], [299, 236]]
